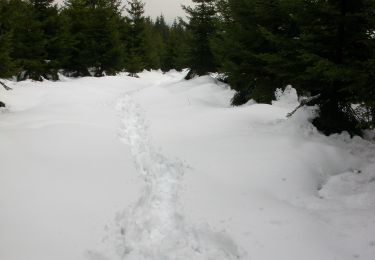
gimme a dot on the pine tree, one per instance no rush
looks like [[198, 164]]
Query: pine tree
[[176, 49], [61, 42], [161, 27], [338, 54], [28, 40], [47, 14], [7, 65], [104, 28], [154, 46], [135, 40], [321, 47], [255, 46], [95, 36], [201, 25]]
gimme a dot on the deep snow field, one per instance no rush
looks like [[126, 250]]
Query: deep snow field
[[160, 168]]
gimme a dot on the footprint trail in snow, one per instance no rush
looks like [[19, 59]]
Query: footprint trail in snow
[[154, 227]]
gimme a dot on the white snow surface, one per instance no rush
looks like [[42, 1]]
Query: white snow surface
[[159, 168]]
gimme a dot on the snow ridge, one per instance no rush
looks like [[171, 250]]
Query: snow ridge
[[155, 228]]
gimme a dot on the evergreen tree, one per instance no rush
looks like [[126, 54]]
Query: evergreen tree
[[7, 65], [255, 46], [176, 49], [201, 26], [320, 47], [61, 43], [48, 16], [154, 46], [338, 54], [162, 27], [135, 40], [28, 40], [95, 36]]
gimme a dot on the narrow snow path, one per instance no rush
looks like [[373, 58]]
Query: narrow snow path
[[155, 228]]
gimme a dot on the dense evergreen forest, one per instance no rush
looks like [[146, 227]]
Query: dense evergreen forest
[[324, 48]]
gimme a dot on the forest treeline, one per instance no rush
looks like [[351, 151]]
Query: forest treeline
[[324, 48], [83, 37]]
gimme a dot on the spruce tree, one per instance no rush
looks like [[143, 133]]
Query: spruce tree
[[255, 46], [135, 39], [321, 47], [201, 26], [28, 40], [7, 65], [161, 27], [338, 56], [176, 49], [46, 12], [95, 35]]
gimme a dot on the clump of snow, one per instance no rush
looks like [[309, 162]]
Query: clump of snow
[[250, 102], [286, 98], [300, 122]]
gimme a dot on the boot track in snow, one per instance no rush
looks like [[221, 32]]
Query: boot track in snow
[[154, 227]]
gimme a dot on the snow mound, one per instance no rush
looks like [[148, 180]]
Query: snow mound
[[354, 189], [154, 227], [287, 98]]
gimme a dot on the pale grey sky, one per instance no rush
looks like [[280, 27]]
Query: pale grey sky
[[170, 8]]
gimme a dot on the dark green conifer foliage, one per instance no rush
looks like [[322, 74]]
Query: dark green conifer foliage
[[95, 34], [154, 46], [135, 40], [201, 26], [29, 24], [28, 40], [161, 27], [48, 16], [337, 49], [61, 43], [255, 46], [176, 48], [320, 47], [77, 18], [7, 65]]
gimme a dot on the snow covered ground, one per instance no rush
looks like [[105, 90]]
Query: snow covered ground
[[161, 168]]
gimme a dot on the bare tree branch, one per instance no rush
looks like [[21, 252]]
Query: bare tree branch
[[303, 102], [5, 86]]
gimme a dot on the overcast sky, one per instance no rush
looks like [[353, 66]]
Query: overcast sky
[[170, 8]]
